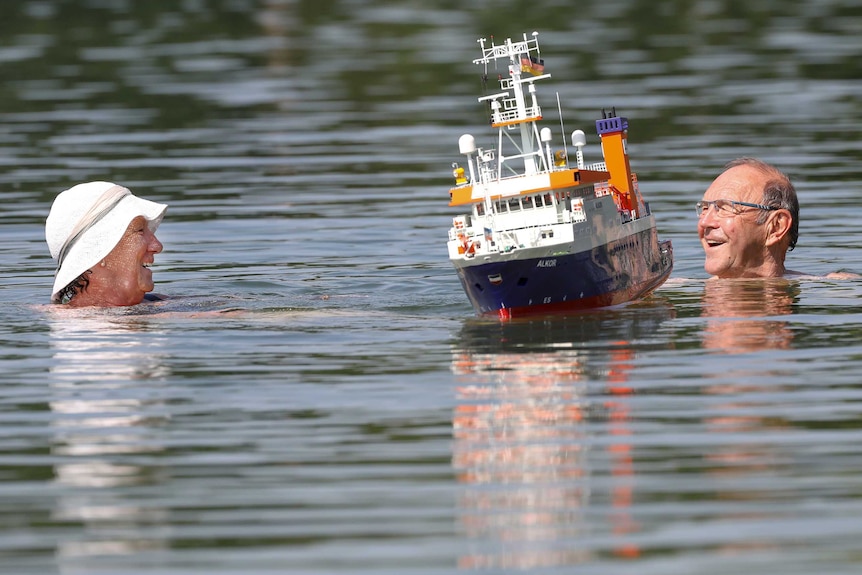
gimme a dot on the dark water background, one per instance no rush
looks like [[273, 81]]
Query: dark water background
[[319, 398]]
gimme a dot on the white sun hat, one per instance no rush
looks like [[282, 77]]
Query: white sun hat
[[87, 221]]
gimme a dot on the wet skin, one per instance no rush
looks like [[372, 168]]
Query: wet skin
[[125, 277], [736, 245]]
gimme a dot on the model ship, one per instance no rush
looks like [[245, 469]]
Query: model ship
[[543, 235]]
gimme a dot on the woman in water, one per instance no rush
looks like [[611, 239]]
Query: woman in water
[[103, 239]]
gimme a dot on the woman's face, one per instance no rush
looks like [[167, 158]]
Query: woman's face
[[126, 277]]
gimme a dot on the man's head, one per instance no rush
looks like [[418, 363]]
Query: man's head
[[748, 220]]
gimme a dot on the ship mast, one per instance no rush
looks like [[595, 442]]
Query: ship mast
[[510, 108]]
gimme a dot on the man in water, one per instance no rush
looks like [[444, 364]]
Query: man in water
[[748, 220]]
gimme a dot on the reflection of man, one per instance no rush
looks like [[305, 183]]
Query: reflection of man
[[743, 314]]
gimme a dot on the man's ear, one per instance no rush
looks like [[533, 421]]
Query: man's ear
[[778, 226]]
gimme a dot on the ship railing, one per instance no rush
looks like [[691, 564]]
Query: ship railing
[[508, 240], [503, 241], [500, 239], [536, 234], [507, 50], [487, 174], [513, 115]]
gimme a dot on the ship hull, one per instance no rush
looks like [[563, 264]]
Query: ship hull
[[608, 274]]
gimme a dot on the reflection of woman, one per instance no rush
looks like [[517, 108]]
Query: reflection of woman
[[742, 314], [103, 238], [107, 408]]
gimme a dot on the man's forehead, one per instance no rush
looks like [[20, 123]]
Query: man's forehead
[[742, 183]]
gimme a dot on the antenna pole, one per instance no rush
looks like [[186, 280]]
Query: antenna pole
[[562, 128]]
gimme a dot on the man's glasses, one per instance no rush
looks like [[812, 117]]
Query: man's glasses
[[727, 207]]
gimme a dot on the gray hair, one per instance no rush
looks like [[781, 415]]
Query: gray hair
[[777, 193]]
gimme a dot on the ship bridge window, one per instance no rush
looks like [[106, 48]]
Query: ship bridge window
[[514, 205], [538, 200], [528, 202], [585, 191], [501, 207], [479, 209]]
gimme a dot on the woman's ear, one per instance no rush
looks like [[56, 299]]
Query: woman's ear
[[778, 227]]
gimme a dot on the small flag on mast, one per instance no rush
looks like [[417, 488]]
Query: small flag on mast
[[532, 65]]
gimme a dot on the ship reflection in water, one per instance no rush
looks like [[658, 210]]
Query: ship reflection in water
[[543, 427], [541, 437]]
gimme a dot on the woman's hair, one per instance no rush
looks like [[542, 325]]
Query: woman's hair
[[777, 193], [76, 286]]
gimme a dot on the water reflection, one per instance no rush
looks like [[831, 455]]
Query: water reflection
[[746, 315], [532, 398], [104, 396], [304, 148]]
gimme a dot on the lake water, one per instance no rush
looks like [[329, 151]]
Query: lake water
[[319, 397]]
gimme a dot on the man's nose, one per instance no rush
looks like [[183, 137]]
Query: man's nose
[[707, 214]]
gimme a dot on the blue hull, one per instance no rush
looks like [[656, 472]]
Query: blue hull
[[610, 274]]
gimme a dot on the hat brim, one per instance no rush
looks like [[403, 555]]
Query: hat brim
[[98, 241]]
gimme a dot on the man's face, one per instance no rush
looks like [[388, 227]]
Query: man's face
[[126, 275], [734, 244]]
